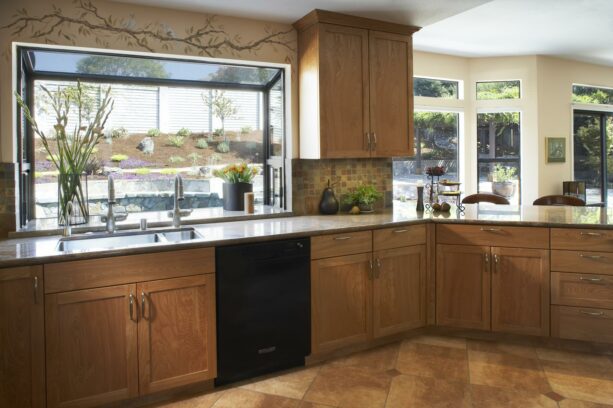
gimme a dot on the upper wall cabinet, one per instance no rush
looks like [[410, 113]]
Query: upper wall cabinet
[[356, 92]]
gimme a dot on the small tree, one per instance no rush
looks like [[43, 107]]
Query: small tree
[[222, 107]]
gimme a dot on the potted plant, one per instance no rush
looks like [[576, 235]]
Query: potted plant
[[503, 180], [238, 179], [71, 149], [363, 197]]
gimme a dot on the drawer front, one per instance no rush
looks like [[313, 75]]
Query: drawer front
[[119, 270], [349, 243], [582, 239], [577, 289], [580, 323], [492, 235], [398, 237], [582, 262]]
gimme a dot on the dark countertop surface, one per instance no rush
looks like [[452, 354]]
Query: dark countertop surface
[[39, 250]]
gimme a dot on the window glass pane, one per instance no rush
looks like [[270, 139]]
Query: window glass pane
[[436, 144], [276, 118], [498, 90], [435, 88], [588, 154], [609, 139], [498, 150], [591, 94], [154, 133]]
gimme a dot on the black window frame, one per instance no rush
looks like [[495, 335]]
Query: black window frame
[[26, 75]]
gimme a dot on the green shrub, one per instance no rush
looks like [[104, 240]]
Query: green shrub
[[169, 171], [143, 171], [153, 132], [184, 132], [214, 159], [118, 158], [223, 147], [194, 157], [176, 159], [119, 133], [52, 157], [246, 129], [218, 132], [176, 140], [38, 174], [202, 144]]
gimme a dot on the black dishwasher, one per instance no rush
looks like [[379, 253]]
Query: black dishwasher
[[263, 308]]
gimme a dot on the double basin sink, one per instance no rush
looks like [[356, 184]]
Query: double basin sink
[[126, 239]]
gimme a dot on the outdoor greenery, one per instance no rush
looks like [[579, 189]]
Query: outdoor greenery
[[118, 158], [237, 173], [587, 147], [223, 147], [176, 140], [498, 90], [153, 132], [436, 134], [590, 94], [435, 88], [503, 174], [222, 107], [202, 144], [121, 66], [498, 130], [119, 133], [184, 132], [176, 159]]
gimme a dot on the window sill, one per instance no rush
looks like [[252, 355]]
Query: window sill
[[157, 219]]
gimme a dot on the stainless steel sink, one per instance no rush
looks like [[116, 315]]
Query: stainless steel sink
[[125, 239]]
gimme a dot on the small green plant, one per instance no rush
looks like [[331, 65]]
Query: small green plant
[[184, 132], [119, 132], [143, 171], [176, 140], [153, 132], [237, 173], [223, 147], [118, 158], [202, 144], [52, 157], [218, 132], [176, 159], [38, 174], [503, 174], [169, 171], [246, 129], [364, 195], [214, 159], [194, 157]]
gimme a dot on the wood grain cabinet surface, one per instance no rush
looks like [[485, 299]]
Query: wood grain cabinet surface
[[22, 347]]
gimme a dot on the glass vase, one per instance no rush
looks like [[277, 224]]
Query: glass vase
[[72, 188]]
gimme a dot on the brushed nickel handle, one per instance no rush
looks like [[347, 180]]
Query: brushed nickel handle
[[368, 140], [374, 137], [370, 273], [342, 238], [35, 290], [591, 234], [581, 278], [378, 268], [142, 303], [496, 262], [591, 256], [585, 312], [400, 231], [491, 229], [486, 256], [131, 306]]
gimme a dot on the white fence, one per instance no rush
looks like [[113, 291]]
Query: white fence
[[139, 108]]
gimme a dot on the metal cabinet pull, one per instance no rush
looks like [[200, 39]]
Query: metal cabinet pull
[[486, 256], [36, 290], [496, 262], [131, 306], [491, 229], [342, 238], [585, 312], [593, 280], [591, 234], [400, 231], [374, 140], [142, 304], [591, 256], [378, 268], [370, 273], [368, 140]]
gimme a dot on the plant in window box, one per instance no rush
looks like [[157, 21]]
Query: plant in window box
[[503, 180], [238, 180], [70, 148], [362, 198]]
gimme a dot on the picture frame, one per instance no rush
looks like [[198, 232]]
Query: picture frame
[[556, 149]]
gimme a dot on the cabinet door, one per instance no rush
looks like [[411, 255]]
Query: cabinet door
[[341, 295], [463, 286], [391, 94], [22, 366], [91, 346], [343, 92], [399, 290], [176, 333], [520, 291]]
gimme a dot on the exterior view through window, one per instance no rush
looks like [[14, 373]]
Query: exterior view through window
[[436, 88], [170, 117], [492, 90]]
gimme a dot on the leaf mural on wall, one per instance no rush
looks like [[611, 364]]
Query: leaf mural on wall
[[210, 39]]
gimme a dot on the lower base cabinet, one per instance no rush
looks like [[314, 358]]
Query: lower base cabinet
[[582, 323]]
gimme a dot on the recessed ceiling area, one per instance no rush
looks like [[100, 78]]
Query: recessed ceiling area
[[575, 29], [413, 12]]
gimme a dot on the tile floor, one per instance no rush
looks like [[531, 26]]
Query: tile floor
[[431, 371]]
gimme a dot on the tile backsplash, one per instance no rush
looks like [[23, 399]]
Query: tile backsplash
[[310, 177]]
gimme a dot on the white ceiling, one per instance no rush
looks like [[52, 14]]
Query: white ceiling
[[576, 29]]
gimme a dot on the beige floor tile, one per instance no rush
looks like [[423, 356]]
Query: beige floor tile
[[581, 381], [484, 396], [433, 361], [414, 391], [563, 356], [238, 397], [567, 403], [201, 401], [349, 387], [503, 348], [290, 385], [453, 342], [379, 359], [306, 404], [507, 371]]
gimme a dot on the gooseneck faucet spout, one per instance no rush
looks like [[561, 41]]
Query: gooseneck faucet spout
[[110, 215], [176, 210]]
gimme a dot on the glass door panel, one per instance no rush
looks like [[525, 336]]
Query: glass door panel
[[588, 154]]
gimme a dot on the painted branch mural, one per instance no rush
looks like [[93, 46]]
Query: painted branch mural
[[209, 39]]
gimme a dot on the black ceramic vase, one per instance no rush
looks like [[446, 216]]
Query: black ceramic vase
[[328, 204], [234, 195]]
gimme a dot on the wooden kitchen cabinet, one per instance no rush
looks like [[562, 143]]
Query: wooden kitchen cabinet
[[399, 289], [91, 346], [355, 79], [520, 291], [22, 366], [176, 332], [463, 286]]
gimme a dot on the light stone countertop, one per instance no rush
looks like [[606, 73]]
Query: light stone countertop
[[39, 250]]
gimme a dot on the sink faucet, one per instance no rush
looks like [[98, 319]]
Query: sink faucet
[[110, 215], [176, 212]]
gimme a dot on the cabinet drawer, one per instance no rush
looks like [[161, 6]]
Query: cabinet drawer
[[575, 289], [119, 270], [580, 323], [399, 237], [582, 239], [582, 262], [493, 235], [326, 246]]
